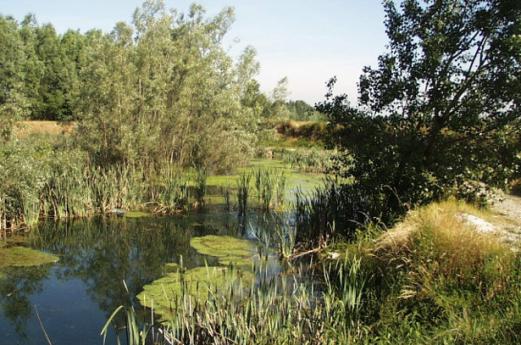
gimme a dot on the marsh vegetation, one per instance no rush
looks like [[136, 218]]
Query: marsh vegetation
[[177, 203]]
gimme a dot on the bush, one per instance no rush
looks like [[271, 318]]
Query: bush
[[476, 193], [339, 210]]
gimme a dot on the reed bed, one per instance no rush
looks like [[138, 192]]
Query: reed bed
[[63, 185], [275, 310], [312, 160]]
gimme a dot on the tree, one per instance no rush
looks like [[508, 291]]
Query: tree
[[34, 68], [280, 95], [247, 68], [254, 99], [300, 110], [163, 90], [72, 46], [13, 104], [442, 106]]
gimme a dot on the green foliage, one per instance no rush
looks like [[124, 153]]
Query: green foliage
[[171, 94], [44, 178], [441, 107], [308, 160], [13, 104], [160, 89], [300, 110], [45, 65]]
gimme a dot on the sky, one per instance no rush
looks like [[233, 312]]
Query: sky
[[309, 41]]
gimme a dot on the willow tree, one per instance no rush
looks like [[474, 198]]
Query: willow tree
[[107, 97], [443, 104], [164, 89]]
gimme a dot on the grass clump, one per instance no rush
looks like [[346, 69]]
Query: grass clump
[[436, 279], [24, 257]]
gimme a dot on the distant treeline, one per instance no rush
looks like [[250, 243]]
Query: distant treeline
[[43, 73]]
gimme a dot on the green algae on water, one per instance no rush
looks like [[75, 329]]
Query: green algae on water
[[198, 283], [137, 214], [172, 267], [195, 285], [229, 250], [24, 257]]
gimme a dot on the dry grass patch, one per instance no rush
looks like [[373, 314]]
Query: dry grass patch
[[53, 128], [441, 220]]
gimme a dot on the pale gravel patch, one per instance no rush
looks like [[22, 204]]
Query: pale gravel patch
[[509, 209], [479, 224]]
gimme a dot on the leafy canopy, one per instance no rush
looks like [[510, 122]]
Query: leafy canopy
[[443, 104]]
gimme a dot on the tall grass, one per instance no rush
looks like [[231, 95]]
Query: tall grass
[[243, 187], [270, 186], [280, 310], [311, 160], [200, 186], [39, 180], [339, 209]]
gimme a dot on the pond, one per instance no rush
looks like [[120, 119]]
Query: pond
[[103, 263]]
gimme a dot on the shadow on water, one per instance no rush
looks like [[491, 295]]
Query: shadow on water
[[76, 295]]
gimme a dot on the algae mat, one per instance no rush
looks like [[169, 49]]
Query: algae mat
[[194, 286], [199, 283], [24, 257], [229, 250]]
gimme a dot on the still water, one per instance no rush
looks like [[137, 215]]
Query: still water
[[75, 296]]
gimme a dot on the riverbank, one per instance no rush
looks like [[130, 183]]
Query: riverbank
[[434, 278]]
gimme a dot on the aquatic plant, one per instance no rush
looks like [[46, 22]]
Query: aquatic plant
[[229, 250], [270, 187], [243, 187], [195, 285], [23, 257], [273, 311], [225, 191], [236, 257], [200, 186]]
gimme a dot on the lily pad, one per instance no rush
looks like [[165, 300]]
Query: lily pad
[[197, 284], [229, 250], [24, 257], [162, 294]]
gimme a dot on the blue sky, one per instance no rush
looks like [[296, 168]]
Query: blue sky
[[308, 41]]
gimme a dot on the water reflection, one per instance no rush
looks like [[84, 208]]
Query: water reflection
[[96, 256], [16, 287]]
